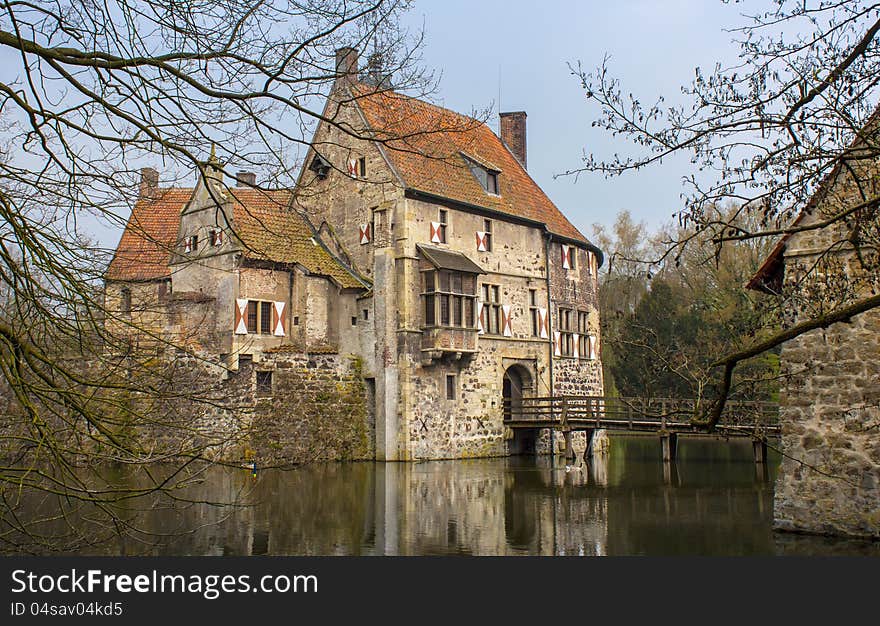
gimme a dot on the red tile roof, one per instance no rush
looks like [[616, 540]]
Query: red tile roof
[[425, 144], [263, 221], [149, 237]]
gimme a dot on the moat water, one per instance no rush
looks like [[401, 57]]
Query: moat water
[[621, 503]]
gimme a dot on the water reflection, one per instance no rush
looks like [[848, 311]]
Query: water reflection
[[619, 503]]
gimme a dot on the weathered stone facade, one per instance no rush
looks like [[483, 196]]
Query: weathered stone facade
[[441, 386]]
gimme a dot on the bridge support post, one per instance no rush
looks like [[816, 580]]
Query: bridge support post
[[668, 446], [759, 447], [588, 451], [569, 447]]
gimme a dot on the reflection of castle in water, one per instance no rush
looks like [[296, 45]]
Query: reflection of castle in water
[[617, 503], [610, 505]]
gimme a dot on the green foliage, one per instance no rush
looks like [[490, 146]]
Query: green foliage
[[666, 320]]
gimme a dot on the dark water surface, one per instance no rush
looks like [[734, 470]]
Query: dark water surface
[[715, 503]]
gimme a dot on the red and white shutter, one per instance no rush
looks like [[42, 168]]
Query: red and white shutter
[[506, 322], [543, 324], [187, 245], [278, 319], [365, 233], [566, 257], [576, 350], [219, 237], [353, 168], [481, 241], [435, 232], [593, 346], [589, 262], [480, 318], [241, 317], [557, 343]]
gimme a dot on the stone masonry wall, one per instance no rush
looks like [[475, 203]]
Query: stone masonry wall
[[829, 480]]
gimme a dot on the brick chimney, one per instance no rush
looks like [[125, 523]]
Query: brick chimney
[[149, 186], [346, 64], [245, 179], [513, 134]]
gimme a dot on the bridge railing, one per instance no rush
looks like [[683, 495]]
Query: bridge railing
[[635, 411]]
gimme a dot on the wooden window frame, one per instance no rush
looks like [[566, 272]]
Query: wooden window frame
[[446, 300], [533, 312], [491, 294], [583, 326], [566, 333]]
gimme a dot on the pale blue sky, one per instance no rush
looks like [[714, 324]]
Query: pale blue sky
[[654, 47]]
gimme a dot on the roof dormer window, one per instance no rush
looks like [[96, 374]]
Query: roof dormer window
[[487, 177]]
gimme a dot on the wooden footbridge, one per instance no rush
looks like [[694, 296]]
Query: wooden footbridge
[[668, 417]]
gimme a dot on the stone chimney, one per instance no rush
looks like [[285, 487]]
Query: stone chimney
[[149, 186], [346, 64], [245, 179], [513, 134]]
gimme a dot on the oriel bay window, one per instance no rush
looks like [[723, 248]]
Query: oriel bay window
[[449, 298]]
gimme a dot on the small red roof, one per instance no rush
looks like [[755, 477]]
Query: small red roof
[[149, 237]]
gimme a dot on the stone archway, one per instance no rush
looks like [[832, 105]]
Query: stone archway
[[518, 383]]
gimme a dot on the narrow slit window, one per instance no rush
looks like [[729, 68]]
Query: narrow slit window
[[450, 387]]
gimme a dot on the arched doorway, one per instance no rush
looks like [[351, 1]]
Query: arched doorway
[[517, 384]]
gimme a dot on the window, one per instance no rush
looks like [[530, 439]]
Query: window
[[492, 182], [362, 166], [265, 317], [264, 383], [126, 300], [450, 386], [487, 229], [442, 221], [216, 237], [566, 338], [252, 316], [583, 338], [354, 320], [449, 298], [366, 314], [259, 316], [569, 257], [194, 243], [533, 313], [296, 320], [491, 309], [487, 178]]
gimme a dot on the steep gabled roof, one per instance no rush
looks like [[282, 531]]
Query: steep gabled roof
[[427, 146], [264, 222], [149, 237], [271, 230]]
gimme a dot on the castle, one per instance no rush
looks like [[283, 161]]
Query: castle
[[414, 243]]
